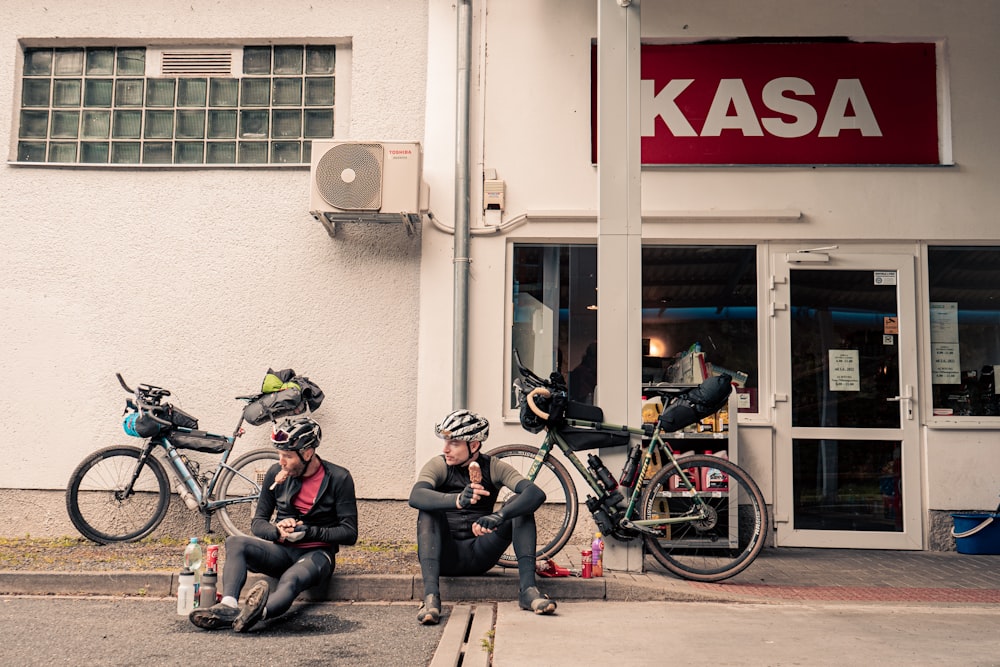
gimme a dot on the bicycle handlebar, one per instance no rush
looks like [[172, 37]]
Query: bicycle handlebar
[[121, 381], [145, 407], [526, 372], [530, 398]]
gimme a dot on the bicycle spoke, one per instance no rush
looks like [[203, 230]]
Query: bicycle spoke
[[556, 518], [97, 501], [243, 480], [723, 530]]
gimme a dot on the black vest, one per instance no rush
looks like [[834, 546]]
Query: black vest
[[460, 521]]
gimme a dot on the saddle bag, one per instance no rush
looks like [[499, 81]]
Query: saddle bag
[[696, 404], [274, 406], [283, 394]]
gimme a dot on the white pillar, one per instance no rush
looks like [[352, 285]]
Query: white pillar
[[619, 229]]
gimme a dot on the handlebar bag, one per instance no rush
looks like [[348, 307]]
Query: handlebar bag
[[144, 426], [531, 422]]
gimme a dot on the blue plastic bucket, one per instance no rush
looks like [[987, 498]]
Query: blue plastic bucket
[[976, 533]]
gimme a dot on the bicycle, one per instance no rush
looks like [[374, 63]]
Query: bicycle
[[706, 536], [121, 493]]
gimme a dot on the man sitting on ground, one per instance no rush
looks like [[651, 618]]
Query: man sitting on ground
[[458, 531], [316, 512]]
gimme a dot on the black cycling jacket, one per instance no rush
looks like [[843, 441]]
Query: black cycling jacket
[[333, 518]]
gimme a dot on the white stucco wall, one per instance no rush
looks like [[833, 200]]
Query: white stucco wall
[[199, 279]]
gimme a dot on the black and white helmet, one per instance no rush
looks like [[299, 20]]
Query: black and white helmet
[[293, 435], [463, 425]]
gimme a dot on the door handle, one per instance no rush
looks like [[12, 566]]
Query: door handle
[[906, 398]]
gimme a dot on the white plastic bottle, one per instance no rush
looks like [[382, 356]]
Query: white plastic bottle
[[185, 592]]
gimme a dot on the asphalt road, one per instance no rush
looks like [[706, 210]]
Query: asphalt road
[[131, 631]]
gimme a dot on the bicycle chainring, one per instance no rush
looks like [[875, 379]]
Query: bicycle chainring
[[624, 534]]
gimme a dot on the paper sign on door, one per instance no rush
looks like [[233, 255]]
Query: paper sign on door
[[844, 370]]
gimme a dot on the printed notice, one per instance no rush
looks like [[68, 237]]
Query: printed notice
[[844, 370], [885, 278], [890, 324], [945, 363], [944, 321]]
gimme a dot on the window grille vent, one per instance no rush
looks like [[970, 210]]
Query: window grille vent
[[197, 63]]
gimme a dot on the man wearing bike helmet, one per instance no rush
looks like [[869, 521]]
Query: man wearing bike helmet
[[314, 511], [459, 530]]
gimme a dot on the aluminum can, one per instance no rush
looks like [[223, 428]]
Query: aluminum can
[[587, 564], [212, 557]]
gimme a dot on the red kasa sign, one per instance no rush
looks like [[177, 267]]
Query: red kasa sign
[[787, 103]]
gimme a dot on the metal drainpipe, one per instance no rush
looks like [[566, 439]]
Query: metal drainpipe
[[460, 355]]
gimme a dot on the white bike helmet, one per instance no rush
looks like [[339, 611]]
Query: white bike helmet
[[293, 435], [463, 425]]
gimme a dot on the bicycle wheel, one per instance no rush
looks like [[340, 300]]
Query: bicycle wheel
[[556, 518], [718, 546], [96, 499], [243, 480]]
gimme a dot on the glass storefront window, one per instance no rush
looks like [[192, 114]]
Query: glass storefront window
[[699, 315], [555, 313], [964, 311]]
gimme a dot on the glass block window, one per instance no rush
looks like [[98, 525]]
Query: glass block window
[[101, 105]]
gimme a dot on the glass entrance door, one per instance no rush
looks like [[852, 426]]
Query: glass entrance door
[[847, 460]]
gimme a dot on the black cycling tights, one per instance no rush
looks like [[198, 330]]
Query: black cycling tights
[[295, 569], [440, 553]]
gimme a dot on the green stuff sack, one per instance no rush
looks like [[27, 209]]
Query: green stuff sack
[[271, 384], [278, 380]]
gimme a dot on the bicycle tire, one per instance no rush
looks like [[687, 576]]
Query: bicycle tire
[[708, 550], [94, 496], [556, 519], [243, 480]]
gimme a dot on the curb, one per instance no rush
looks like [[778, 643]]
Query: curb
[[140, 584], [492, 586], [500, 585]]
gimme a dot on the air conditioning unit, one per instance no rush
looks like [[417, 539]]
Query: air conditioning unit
[[365, 179]]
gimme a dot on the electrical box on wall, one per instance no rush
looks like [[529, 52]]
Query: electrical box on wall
[[365, 177], [493, 195]]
